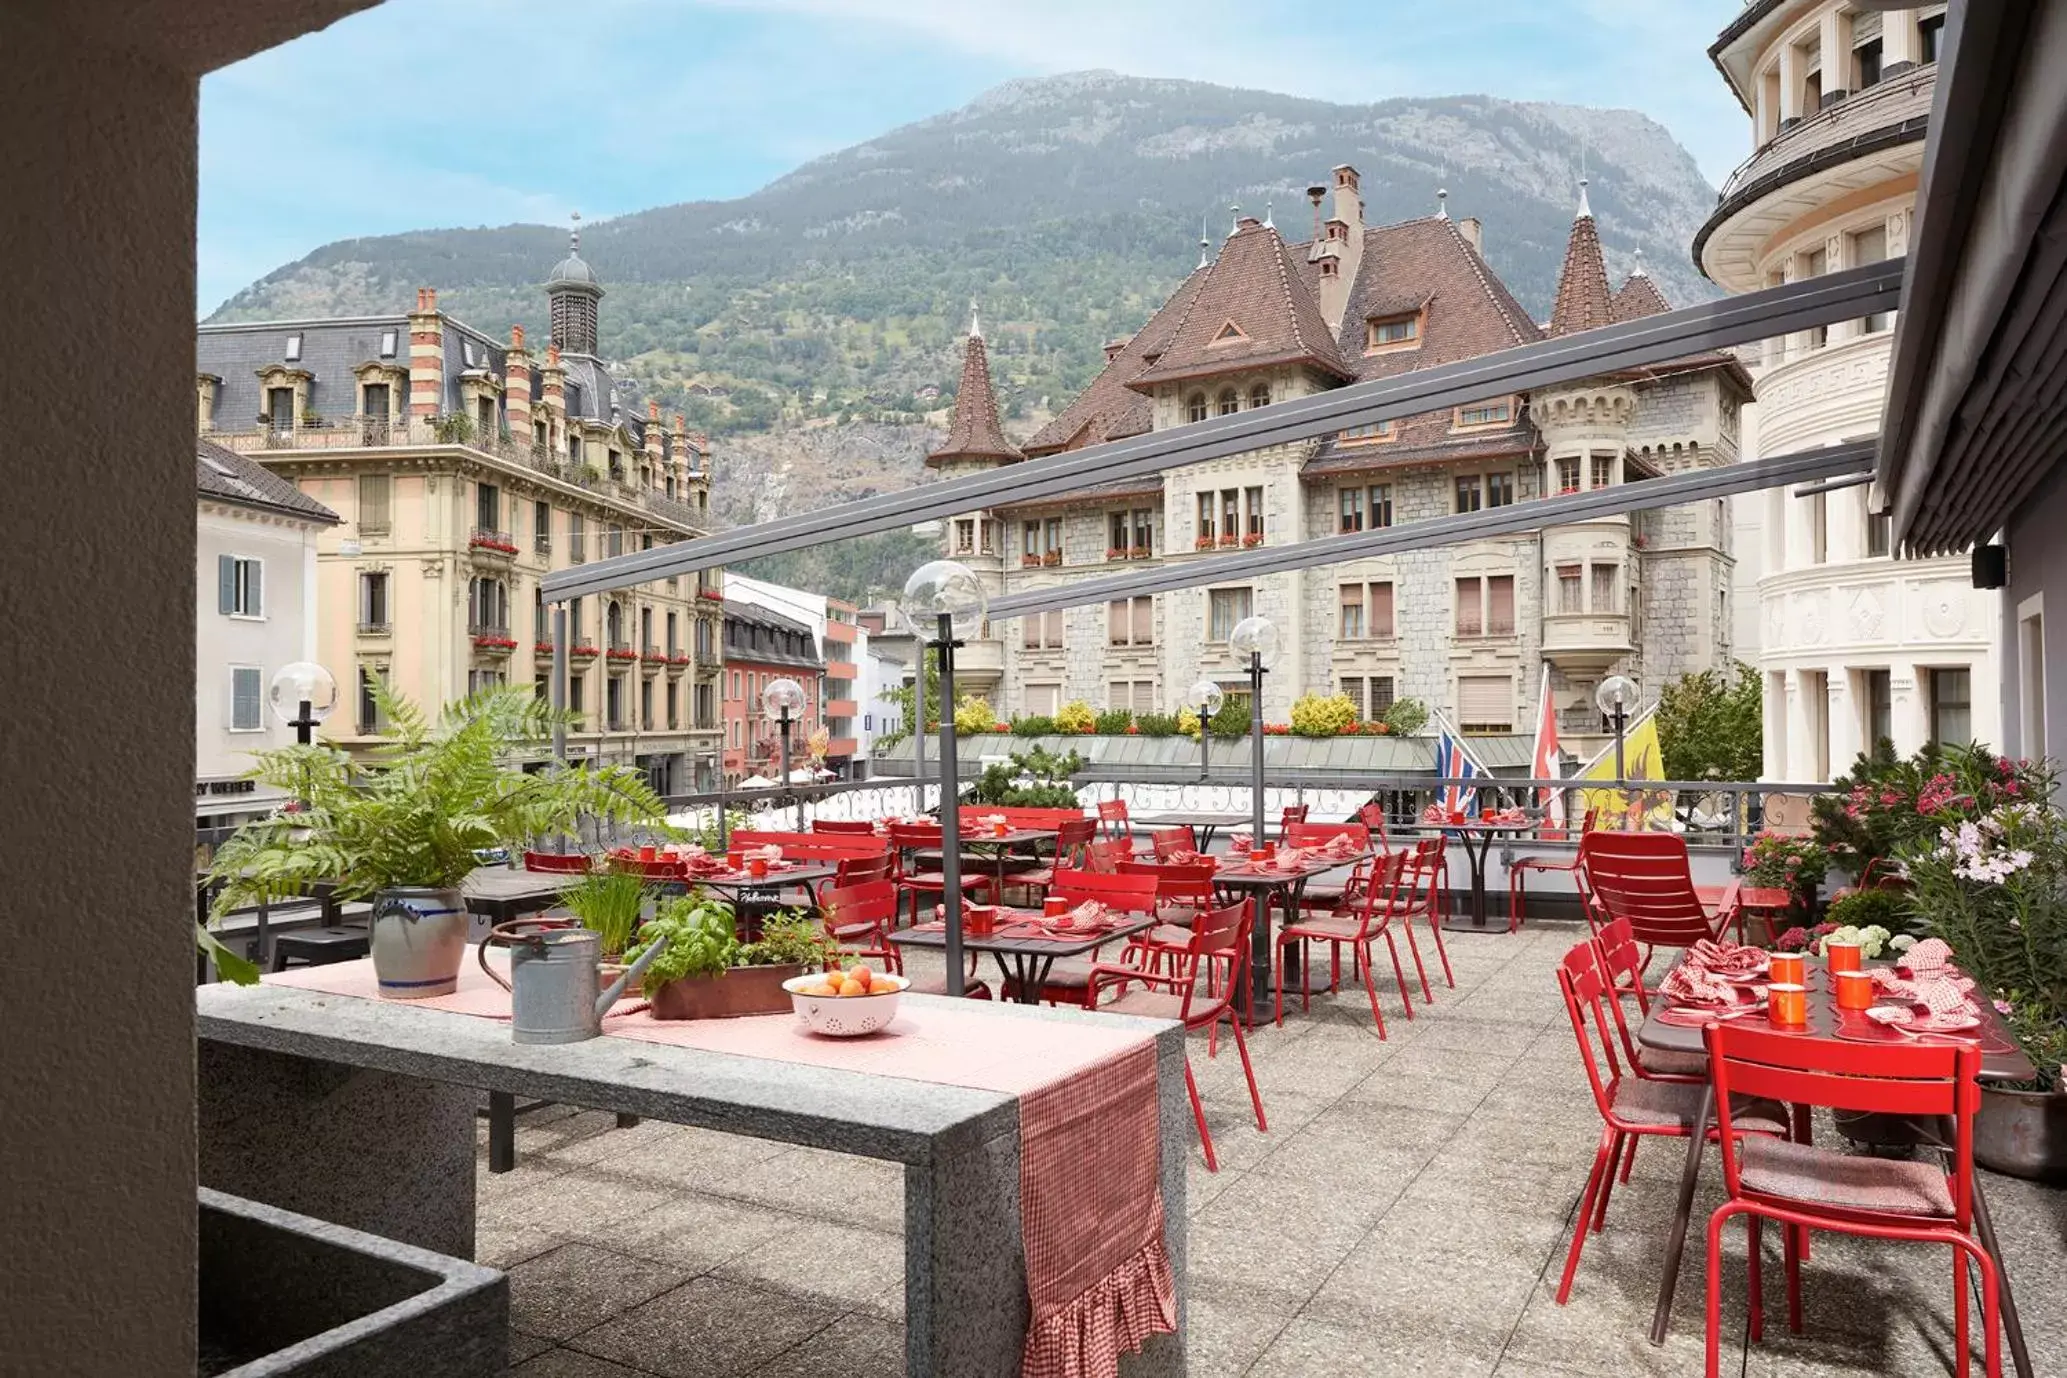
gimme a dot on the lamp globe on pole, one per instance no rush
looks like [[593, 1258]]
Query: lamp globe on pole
[[1615, 697], [946, 604], [783, 700], [1255, 639], [303, 694], [1207, 698]]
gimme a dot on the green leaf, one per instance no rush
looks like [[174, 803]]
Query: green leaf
[[228, 964]]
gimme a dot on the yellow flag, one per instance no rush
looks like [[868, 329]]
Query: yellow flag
[[1638, 809]]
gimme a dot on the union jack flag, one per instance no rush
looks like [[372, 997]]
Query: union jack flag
[[1454, 762]]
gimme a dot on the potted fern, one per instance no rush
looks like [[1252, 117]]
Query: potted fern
[[402, 827]]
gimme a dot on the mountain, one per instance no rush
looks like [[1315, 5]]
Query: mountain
[[813, 325]]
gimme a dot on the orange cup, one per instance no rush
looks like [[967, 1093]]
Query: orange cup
[[1000, 829], [758, 866], [1787, 1004], [736, 860], [1054, 908], [979, 919], [1854, 990], [1790, 968], [1842, 956], [646, 853]]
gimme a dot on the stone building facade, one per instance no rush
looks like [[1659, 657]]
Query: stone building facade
[[1856, 642], [1464, 628], [466, 468]]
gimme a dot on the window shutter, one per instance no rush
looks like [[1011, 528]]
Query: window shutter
[[1353, 689], [1381, 611], [1485, 701], [1144, 696], [1144, 621], [1116, 624], [1054, 637], [225, 584], [1500, 604], [256, 602]]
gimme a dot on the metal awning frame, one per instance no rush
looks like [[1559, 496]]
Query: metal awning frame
[[1650, 340]]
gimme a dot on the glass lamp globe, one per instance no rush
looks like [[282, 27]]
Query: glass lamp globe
[[299, 682], [1616, 691], [944, 586], [1255, 636], [1206, 697], [783, 697]]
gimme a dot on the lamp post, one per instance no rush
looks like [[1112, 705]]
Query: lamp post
[[782, 700], [303, 694], [945, 602], [1256, 639], [1613, 698], [1206, 694]]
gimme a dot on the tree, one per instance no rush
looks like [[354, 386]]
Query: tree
[[1711, 725], [907, 709]]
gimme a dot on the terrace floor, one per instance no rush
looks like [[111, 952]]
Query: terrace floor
[[1406, 1213]]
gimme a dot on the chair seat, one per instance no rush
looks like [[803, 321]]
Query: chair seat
[[1149, 1004], [1669, 1064], [937, 985], [1038, 875], [934, 880], [1545, 863], [1318, 895], [1070, 973], [1673, 1105], [1341, 928], [848, 932], [1166, 934], [1803, 1172]]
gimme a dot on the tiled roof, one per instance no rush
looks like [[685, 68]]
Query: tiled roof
[[1506, 442], [1109, 409], [228, 476], [1148, 486], [1638, 296], [1254, 308], [1583, 299], [974, 432]]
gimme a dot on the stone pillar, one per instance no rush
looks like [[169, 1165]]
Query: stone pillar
[[1898, 48], [1801, 728], [1761, 115], [656, 453], [1835, 37], [1790, 85], [426, 359], [517, 387], [1909, 688], [1847, 735]]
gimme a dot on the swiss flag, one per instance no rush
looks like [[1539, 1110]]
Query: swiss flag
[[1552, 801]]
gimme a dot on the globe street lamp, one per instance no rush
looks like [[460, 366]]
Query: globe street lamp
[[1206, 694], [1257, 640], [1614, 696], [945, 604], [303, 694], [782, 700]]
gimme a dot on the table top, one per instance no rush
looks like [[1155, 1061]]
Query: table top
[[2001, 1058], [502, 883], [1023, 946], [1190, 818], [1239, 877], [1480, 825], [1009, 837], [801, 873]]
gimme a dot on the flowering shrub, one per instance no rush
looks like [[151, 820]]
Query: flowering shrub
[[1076, 718], [1780, 862], [973, 715], [1188, 722], [1887, 805], [1323, 715]]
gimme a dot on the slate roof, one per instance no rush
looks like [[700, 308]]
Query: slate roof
[[1638, 296], [1109, 409], [974, 432], [1254, 308], [227, 476], [1583, 299]]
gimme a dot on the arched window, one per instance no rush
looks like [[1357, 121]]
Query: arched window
[[1230, 401], [1195, 407], [613, 623], [1259, 396]]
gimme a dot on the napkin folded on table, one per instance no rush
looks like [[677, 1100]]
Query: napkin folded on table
[[1726, 958], [1689, 984]]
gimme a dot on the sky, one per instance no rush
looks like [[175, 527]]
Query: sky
[[438, 113]]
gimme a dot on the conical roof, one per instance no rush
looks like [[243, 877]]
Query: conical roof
[[1583, 299], [1638, 296], [1253, 308], [974, 432]]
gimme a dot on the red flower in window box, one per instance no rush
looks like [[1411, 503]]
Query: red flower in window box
[[680, 658], [1277, 729], [1253, 539], [583, 652], [495, 643], [544, 648], [1053, 557], [1115, 552], [1029, 562], [1230, 540], [715, 595], [1202, 543], [623, 653], [1139, 552]]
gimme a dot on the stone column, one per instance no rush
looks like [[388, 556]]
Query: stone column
[[1847, 735], [1790, 85], [1836, 42], [1801, 728], [1898, 47]]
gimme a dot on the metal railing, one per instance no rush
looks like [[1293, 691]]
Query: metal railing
[[1904, 96]]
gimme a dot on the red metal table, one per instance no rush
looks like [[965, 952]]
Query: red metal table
[[1031, 957], [1273, 889], [1485, 831]]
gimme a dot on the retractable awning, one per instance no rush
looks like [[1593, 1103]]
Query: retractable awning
[[1649, 340]]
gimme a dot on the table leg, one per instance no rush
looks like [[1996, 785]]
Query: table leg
[[1475, 920], [1676, 1243], [502, 1131], [1255, 1012], [2013, 1329]]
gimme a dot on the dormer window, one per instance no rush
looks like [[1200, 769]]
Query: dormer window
[[1337, 230], [1259, 396], [1377, 430], [1329, 268], [293, 353], [1495, 413], [1230, 402], [1387, 332], [388, 342], [1229, 333]]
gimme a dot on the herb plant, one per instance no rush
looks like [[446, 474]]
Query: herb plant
[[609, 904], [701, 940], [791, 938]]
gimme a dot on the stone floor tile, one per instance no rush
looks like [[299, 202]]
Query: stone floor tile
[[813, 1182], [524, 1346], [1261, 1265], [1314, 1348], [694, 1233], [570, 1363], [709, 1328], [855, 1346], [1226, 1334], [1338, 1164], [562, 1293], [502, 1243], [1428, 1289], [583, 1205], [852, 1269]]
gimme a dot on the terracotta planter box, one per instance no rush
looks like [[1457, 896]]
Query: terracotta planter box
[[740, 991]]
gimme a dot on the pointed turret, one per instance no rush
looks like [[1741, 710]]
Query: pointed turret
[[572, 293], [1584, 301], [974, 437], [1638, 295]]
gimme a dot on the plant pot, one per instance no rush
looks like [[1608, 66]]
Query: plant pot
[[419, 936], [739, 991], [2022, 1134]]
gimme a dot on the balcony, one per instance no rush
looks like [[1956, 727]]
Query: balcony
[[496, 547], [494, 642], [845, 708], [621, 653], [374, 631], [841, 746], [841, 670], [678, 661], [1585, 643], [583, 650], [651, 659]]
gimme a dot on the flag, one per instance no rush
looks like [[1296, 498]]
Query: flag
[[1454, 761], [1643, 759], [1545, 767]]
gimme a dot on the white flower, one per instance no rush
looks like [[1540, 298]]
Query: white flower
[[1902, 942]]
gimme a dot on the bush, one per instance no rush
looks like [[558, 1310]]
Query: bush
[[1322, 715], [1777, 861], [973, 715], [1888, 909], [1040, 725], [1405, 717], [1159, 725], [1232, 721], [1188, 722], [1075, 718], [1114, 721], [1036, 779]]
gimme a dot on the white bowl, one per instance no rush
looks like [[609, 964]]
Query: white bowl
[[846, 1016]]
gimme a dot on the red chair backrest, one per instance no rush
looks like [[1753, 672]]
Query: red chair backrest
[[1583, 983], [1219, 937], [1129, 894], [1072, 837], [557, 863], [1294, 813], [1622, 960], [873, 901], [1169, 841], [1027, 816], [1104, 856], [1189, 884], [1426, 871], [1112, 818], [667, 870], [855, 869], [1914, 1080], [1585, 826], [1372, 816], [815, 846], [1321, 834], [1644, 878], [1381, 888], [843, 825]]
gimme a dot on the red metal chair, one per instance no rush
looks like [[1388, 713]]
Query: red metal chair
[[1069, 978], [1168, 842], [1183, 892], [557, 863], [852, 871], [906, 838], [1113, 824], [1105, 857], [1631, 1107], [1428, 868], [1200, 993], [1548, 864], [1804, 1187], [1072, 839], [1372, 816], [1365, 919], [1623, 965], [859, 918], [1644, 877], [1293, 813], [1325, 895], [859, 826]]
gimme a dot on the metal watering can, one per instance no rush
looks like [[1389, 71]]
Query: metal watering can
[[553, 980]]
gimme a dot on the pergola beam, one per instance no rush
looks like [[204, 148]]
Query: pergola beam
[[1516, 517], [1658, 339]]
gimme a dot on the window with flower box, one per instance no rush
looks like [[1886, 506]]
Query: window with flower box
[[1568, 474], [1603, 471], [1205, 528], [1225, 608], [1366, 611]]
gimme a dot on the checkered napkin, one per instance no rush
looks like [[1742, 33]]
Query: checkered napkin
[[1726, 959], [1690, 983], [1339, 848], [1932, 980], [1091, 1213]]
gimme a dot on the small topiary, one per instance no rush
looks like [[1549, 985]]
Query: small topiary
[[1040, 725]]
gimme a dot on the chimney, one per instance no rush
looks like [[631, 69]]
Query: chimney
[[426, 357], [1474, 234], [656, 453], [517, 387], [552, 400], [1315, 195], [1345, 236], [1114, 346]]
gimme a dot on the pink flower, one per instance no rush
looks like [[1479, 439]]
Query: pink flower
[[2002, 1007]]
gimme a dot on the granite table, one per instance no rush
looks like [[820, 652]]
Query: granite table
[[361, 1112]]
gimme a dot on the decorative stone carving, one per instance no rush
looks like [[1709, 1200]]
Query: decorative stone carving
[[1868, 616], [1944, 609]]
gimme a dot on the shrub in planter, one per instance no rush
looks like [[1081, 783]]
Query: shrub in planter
[[1405, 717], [973, 715], [1156, 724], [1323, 715], [1232, 721], [1187, 721], [1776, 861], [1886, 909], [1039, 725], [1075, 718], [1114, 721]]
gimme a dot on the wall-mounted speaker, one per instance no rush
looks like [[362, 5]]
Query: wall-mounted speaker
[[1991, 566]]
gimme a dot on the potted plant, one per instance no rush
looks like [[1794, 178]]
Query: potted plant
[[609, 904], [402, 829], [705, 972], [1778, 861]]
